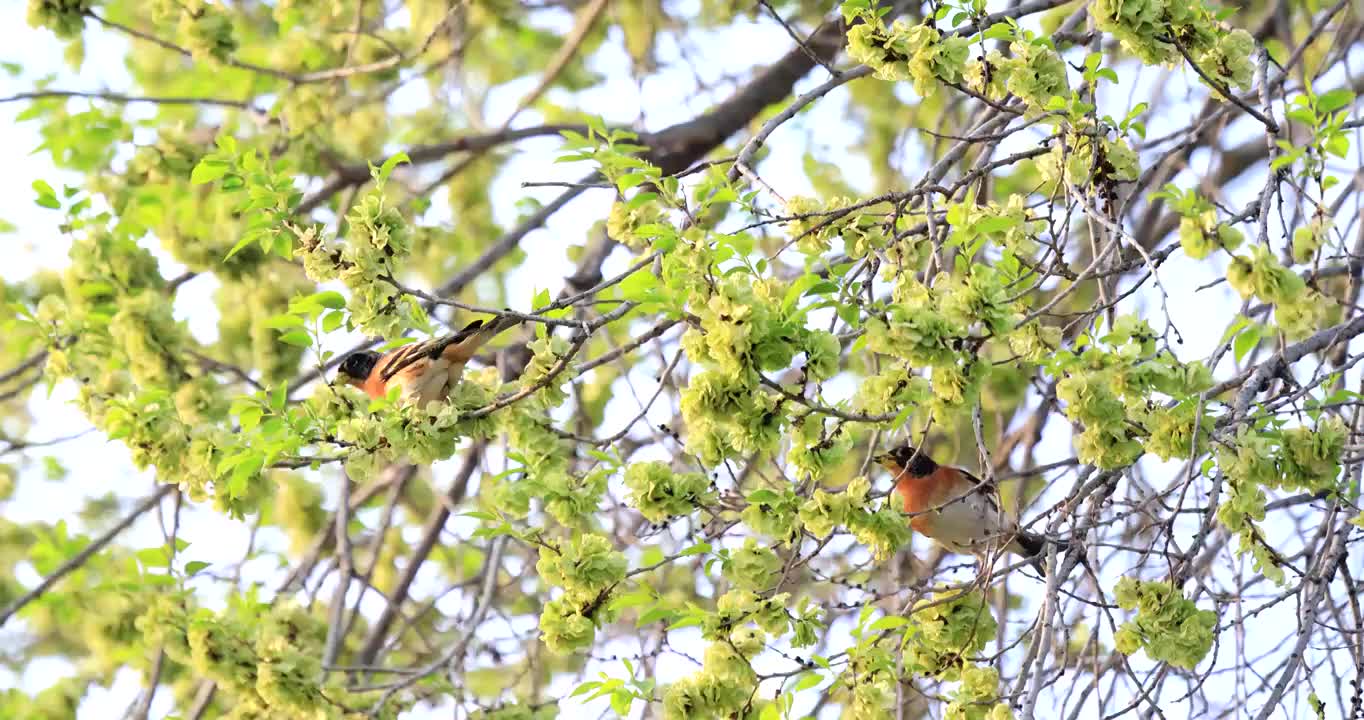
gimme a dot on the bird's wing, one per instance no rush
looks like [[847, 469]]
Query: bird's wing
[[413, 353], [396, 361], [455, 348], [988, 490]]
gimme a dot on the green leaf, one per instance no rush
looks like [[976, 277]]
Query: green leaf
[[621, 701], [998, 31], [1302, 115], [585, 688], [822, 288], [299, 338], [798, 288], [807, 681], [1338, 145], [541, 299], [763, 495], [250, 417], [633, 599], [697, 549], [686, 621], [865, 614], [329, 299], [47, 197], [639, 285], [242, 243], [630, 180], [1246, 341], [194, 567], [640, 200], [387, 168], [333, 320], [997, 223], [283, 321], [890, 622], [208, 170], [654, 615], [1232, 329], [1334, 100], [153, 557], [279, 397]]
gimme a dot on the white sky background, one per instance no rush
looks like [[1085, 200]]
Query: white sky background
[[98, 467]]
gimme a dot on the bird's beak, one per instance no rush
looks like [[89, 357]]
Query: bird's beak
[[882, 459]]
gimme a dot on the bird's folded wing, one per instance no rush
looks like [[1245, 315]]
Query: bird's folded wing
[[988, 490], [406, 356]]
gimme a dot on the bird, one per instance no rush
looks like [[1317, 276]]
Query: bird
[[958, 510], [426, 371]]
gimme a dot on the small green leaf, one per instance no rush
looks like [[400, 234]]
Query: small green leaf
[[630, 180], [296, 337], [697, 549], [641, 199], [250, 417], [541, 299], [242, 243], [387, 168], [807, 681], [621, 701], [641, 284], [1334, 100], [890, 622], [633, 599], [652, 616], [333, 320], [283, 321], [208, 170], [329, 299], [47, 197], [1246, 341], [995, 224], [153, 557], [763, 495], [585, 688]]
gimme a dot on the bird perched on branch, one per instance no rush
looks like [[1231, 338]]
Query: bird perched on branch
[[426, 371], [956, 509]]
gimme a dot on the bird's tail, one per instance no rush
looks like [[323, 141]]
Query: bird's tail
[[1034, 547]]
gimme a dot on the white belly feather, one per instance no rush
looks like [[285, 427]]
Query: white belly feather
[[434, 384], [969, 525]]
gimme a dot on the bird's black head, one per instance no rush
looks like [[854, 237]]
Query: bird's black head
[[911, 460], [357, 366]]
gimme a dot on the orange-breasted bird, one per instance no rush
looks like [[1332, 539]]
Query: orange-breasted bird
[[426, 371], [956, 509]]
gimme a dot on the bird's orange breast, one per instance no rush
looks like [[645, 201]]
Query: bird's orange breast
[[374, 386], [928, 492]]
